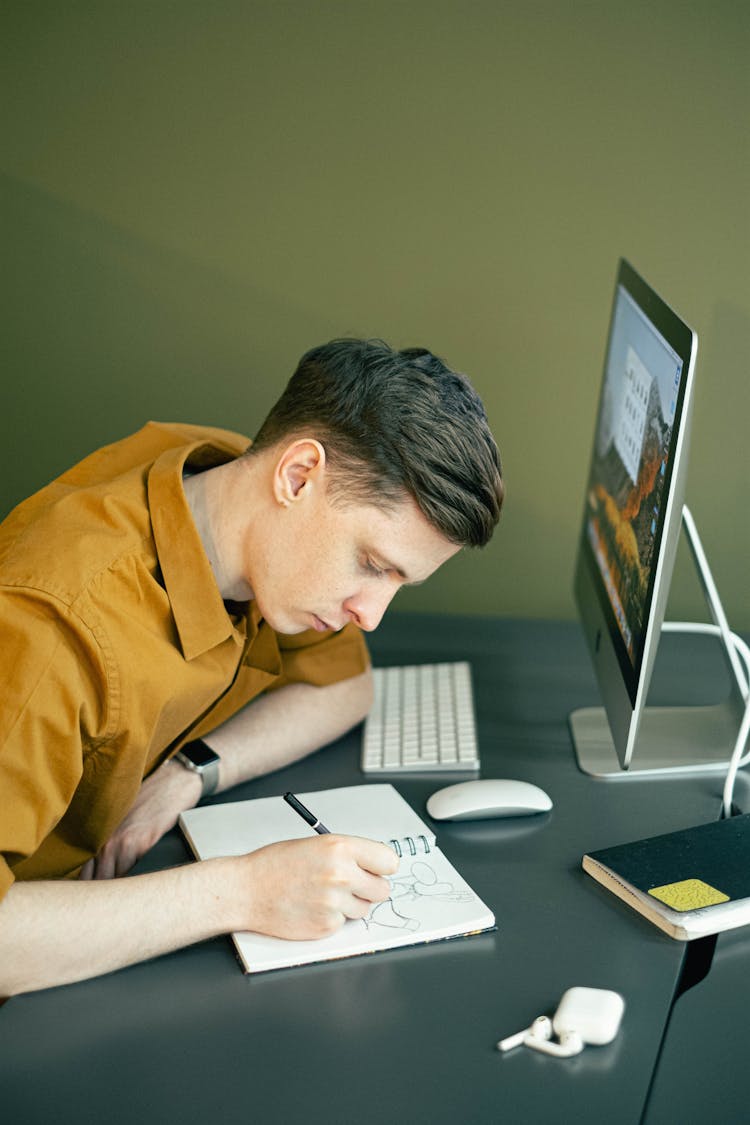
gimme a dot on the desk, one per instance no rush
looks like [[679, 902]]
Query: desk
[[406, 1035]]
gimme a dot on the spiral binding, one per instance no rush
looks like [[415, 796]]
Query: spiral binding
[[411, 843]]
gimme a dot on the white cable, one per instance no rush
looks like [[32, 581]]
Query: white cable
[[739, 645], [711, 594], [737, 761], [737, 651]]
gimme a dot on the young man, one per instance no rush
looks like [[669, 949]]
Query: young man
[[180, 613]]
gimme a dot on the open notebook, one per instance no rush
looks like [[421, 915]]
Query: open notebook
[[429, 899]]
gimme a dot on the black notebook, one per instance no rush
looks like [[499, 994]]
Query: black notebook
[[689, 883], [429, 900]]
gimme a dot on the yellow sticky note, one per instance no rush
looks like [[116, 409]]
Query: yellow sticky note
[[688, 894]]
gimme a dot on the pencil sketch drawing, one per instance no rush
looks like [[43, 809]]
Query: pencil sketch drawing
[[409, 889]]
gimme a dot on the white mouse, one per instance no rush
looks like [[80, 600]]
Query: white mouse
[[487, 797]]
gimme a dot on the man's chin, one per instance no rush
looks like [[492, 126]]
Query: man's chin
[[290, 627]]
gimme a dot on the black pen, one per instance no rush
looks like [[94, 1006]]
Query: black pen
[[307, 816]]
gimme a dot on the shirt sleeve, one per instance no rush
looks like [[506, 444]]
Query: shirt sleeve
[[50, 669], [322, 658]]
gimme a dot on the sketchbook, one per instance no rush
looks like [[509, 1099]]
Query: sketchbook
[[689, 883], [429, 900]]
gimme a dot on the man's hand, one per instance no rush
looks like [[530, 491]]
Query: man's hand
[[163, 796], [56, 931], [306, 889], [269, 733]]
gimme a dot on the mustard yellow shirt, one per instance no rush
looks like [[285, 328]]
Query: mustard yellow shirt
[[116, 646]]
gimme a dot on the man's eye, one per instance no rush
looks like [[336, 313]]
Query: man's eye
[[371, 568]]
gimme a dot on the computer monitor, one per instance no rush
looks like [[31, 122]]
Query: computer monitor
[[633, 513]]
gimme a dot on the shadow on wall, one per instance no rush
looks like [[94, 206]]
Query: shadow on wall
[[103, 331]]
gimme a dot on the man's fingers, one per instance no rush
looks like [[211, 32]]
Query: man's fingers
[[363, 866], [358, 909], [104, 864], [377, 858], [371, 888]]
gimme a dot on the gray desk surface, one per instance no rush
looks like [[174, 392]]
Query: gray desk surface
[[409, 1034]]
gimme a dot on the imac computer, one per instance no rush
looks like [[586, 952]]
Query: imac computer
[[633, 515]]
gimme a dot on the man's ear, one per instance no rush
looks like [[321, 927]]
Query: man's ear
[[298, 470]]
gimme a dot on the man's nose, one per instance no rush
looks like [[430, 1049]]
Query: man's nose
[[366, 608]]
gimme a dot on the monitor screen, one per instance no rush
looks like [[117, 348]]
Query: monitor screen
[[633, 501], [631, 468]]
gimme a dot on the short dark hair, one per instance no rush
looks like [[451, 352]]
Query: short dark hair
[[395, 422]]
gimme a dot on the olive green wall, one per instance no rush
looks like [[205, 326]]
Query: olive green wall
[[194, 193]]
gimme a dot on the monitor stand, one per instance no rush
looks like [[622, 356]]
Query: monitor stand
[[673, 740]]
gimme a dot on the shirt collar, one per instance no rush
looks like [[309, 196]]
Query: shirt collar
[[200, 614]]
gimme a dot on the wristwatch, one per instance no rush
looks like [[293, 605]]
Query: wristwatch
[[201, 759]]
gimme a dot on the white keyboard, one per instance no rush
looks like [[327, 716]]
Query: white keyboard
[[422, 720]]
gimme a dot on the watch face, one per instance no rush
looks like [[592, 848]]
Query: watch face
[[199, 754]]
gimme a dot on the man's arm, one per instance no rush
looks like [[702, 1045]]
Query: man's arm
[[285, 725], [56, 932], [272, 731]]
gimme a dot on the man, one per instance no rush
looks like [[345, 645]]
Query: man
[[178, 593]]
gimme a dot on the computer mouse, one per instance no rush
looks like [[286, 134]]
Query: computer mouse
[[487, 797]]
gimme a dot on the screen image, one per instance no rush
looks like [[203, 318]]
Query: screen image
[[631, 464]]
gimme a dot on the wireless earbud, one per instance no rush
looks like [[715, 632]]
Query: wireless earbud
[[584, 1015], [540, 1030], [569, 1044]]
